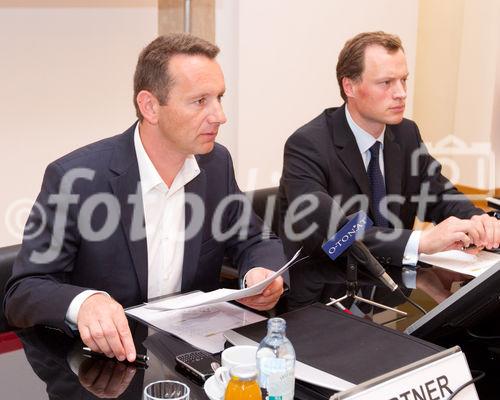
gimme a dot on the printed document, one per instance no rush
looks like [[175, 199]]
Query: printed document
[[201, 326], [459, 261]]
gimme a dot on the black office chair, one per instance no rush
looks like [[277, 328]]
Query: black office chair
[[265, 205], [8, 255]]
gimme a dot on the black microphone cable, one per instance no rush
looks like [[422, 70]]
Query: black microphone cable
[[481, 375], [363, 256], [413, 303], [481, 337]]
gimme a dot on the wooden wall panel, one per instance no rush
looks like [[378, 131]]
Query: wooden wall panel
[[171, 17], [203, 19]]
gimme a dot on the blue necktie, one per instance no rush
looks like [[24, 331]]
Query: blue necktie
[[377, 185]]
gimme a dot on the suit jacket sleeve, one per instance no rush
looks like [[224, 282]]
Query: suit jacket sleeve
[[39, 292], [445, 199]]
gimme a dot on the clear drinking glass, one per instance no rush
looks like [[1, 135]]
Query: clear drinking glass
[[172, 390]]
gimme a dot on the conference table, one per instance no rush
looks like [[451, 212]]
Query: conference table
[[43, 363]]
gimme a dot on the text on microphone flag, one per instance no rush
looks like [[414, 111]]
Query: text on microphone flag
[[347, 235]]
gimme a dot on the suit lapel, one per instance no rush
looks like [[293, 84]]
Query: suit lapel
[[348, 151], [393, 167], [126, 183], [192, 246]]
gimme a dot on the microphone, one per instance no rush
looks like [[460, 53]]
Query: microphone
[[364, 257], [347, 237]]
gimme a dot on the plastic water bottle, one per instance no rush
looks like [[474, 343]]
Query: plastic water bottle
[[276, 363]]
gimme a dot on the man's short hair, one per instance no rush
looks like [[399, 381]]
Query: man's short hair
[[151, 72], [351, 63]]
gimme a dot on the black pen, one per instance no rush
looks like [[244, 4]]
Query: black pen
[[469, 247], [139, 358]]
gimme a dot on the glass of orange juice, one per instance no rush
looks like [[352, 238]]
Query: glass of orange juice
[[243, 384]]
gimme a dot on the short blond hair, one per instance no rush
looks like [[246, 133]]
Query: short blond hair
[[351, 62]]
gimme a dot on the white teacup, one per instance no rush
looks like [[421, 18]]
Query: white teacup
[[231, 357]]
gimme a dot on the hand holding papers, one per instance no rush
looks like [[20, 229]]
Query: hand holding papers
[[196, 318], [220, 295]]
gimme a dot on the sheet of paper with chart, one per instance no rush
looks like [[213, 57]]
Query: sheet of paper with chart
[[459, 261], [201, 326], [219, 295]]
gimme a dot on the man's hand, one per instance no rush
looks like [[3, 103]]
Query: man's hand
[[104, 328], [455, 234], [271, 293], [487, 231], [105, 379], [451, 234]]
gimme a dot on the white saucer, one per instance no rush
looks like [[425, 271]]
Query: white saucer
[[212, 389]]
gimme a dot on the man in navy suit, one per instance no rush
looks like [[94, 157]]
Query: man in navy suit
[[365, 155], [146, 213]]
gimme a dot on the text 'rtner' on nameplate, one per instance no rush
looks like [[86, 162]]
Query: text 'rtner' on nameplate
[[429, 379]]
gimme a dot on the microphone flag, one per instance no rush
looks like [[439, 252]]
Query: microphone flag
[[353, 230]]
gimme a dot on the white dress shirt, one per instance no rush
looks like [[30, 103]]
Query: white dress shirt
[[365, 141], [165, 224]]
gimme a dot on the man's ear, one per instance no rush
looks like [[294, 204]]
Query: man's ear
[[149, 106], [349, 87]]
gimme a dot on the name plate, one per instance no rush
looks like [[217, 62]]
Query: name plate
[[435, 380]]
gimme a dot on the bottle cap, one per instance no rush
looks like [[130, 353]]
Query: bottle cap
[[244, 372], [276, 324]]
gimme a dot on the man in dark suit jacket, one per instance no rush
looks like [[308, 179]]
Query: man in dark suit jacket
[[394, 182], [149, 212]]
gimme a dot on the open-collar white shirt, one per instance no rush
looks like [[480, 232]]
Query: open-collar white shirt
[[165, 221]]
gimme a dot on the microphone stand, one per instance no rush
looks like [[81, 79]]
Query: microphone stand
[[352, 289]]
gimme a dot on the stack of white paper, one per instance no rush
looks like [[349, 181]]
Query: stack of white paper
[[459, 261]]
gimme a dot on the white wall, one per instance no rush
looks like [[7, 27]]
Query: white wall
[[226, 32], [440, 28], [475, 113], [457, 98], [66, 80], [495, 128], [281, 55]]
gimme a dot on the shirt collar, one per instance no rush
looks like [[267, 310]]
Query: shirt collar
[[363, 138], [188, 172], [150, 178]]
